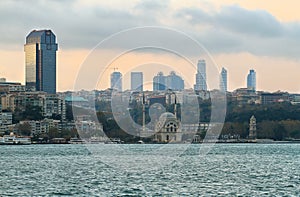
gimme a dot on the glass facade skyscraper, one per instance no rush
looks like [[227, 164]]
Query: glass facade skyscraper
[[116, 81], [159, 82], [136, 81], [201, 76], [223, 80], [40, 61], [251, 80], [172, 82]]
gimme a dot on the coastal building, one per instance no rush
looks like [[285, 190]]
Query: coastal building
[[168, 129], [40, 61], [252, 128], [50, 104], [41, 126], [137, 81], [251, 80], [201, 76], [5, 121], [223, 80], [116, 81]]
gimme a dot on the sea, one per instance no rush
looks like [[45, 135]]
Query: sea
[[150, 170]]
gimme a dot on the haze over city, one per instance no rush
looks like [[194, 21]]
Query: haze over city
[[240, 36]]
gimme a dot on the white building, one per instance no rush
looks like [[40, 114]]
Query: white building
[[168, 129], [41, 126], [5, 121]]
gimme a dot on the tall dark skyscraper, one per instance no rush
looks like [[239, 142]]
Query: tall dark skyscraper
[[40, 60]]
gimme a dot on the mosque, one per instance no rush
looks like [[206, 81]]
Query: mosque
[[167, 129]]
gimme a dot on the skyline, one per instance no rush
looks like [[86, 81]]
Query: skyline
[[252, 44]]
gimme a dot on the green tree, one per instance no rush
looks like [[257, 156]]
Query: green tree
[[24, 129]]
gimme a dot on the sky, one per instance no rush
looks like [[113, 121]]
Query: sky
[[237, 35]]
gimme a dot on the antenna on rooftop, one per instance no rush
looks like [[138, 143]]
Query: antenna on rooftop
[[115, 68]]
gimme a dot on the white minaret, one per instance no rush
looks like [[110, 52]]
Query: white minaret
[[144, 113], [252, 128], [175, 108]]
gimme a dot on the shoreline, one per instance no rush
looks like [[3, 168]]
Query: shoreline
[[218, 142]]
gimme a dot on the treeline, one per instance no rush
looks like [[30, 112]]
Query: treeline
[[278, 121]]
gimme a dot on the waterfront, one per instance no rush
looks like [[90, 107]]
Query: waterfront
[[228, 169]]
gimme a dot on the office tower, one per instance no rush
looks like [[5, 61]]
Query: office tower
[[116, 81], [223, 80], [137, 81], [40, 61], [201, 76], [159, 82], [251, 80], [174, 82]]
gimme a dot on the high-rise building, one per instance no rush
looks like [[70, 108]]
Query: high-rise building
[[116, 81], [40, 60], [223, 80], [201, 76], [174, 82], [159, 82], [251, 80], [137, 81]]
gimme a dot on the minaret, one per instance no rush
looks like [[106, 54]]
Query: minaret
[[175, 108], [144, 113], [252, 128]]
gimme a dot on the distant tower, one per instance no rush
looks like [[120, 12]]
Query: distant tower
[[201, 76], [174, 82], [137, 81], [223, 80], [251, 80], [159, 82], [116, 81], [40, 61], [252, 128]]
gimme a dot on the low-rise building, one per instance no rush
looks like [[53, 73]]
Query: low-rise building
[[277, 97]]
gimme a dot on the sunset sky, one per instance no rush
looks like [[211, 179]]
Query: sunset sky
[[239, 35]]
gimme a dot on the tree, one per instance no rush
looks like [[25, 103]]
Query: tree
[[32, 113], [53, 133], [24, 129]]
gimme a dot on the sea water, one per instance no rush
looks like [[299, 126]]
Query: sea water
[[227, 169]]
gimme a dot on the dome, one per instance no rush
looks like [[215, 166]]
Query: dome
[[167, 115]]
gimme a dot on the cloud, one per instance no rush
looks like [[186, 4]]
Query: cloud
[[235, 29], [82, 25]]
